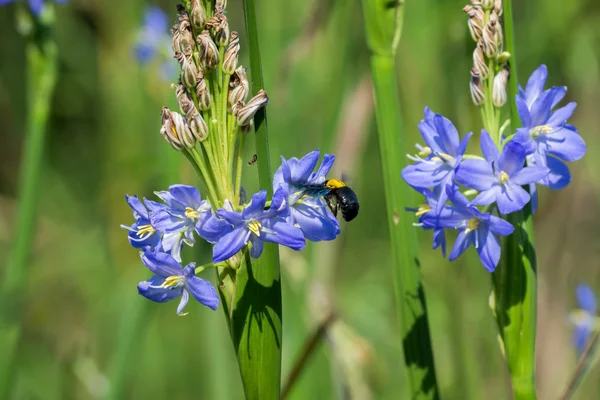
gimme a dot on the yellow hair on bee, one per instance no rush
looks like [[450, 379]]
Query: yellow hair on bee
[[334, 184]]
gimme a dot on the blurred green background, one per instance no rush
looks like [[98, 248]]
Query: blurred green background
[[85, 325]]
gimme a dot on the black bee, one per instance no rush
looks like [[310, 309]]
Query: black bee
[[337, 196]]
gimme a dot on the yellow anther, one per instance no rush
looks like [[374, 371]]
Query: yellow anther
[[334, 184], [423, 209], [172, 281], [503, 177], [191, 213], [254, 227], [425, 152], [145, 230], [473, 225], [541, 129]]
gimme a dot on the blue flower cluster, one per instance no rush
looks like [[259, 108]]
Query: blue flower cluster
[[36, 6], [535, 154], [161, 229], [584, 317]]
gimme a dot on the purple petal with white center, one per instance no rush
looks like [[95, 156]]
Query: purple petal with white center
[[535, 84], [137, 207], [488, 147], [512, 198], [476, 174], [257, 247], [586, 298], [277, 230], [230, 243], [301, 172], [487, 196], [499, 226], [461, 244], [488, 249], [161, 264], [185, 296], [256, 207], [201, 290], [151, 290], [512, 158], [566, 145], [559, 117]]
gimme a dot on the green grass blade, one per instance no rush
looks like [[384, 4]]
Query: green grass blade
[[515, 279], [383, 23], [256, 315], [41, 56]]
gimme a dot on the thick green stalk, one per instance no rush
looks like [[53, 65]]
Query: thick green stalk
[[41, 58], [515, 279], [256, 316], [383, 20]]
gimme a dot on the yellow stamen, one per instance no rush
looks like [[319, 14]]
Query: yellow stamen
[[423, 209], [503, 177], [334, 184], [425, 152], [145, 230], [172, 281], [191, 213], [254, 227], [473, 225], [541, 129]]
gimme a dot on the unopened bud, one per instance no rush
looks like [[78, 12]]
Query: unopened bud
[[197, 124], [498, 7], [490, 46], [498, 37], [203, 95], [476, 87], [198, 15], [182, 14], [503, 58], [175, 39], [245, 114], [238, 87], [479, 61], [189, 71], [487, 4], [186, 40], [208, 54], [499, 87], [220, 5], [476, 20], [230, 59], [175, 130], [183, 98], [221, 28]]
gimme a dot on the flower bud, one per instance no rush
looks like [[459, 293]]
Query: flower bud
[[246, 113], [182, 14], [499, 87], [175, 130], [490, 46], [203, 95], [220, 5], [487, 4], [186, 40], [208, 54], [189, 71], [476, 87], [230, 58], [197, 124], [220, 28], [498, 7], [238, 87], [479, 61], [476, 20], [175, 39], [503, 58], [183, 98], [198, 15]]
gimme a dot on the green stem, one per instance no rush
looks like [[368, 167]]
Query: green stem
[[515, 279], [198, 163], [239, 165], [41, 58]]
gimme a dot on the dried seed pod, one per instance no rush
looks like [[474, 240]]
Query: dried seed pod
[[490, 46], [182, 14], [476, 87], [189, 71], [203, 95], [479, 61], [220, 5], [238, 87], [186, 40], [246, 113], [499, 87], [198, 15], [197, 124], [476, 20], [220, 28], [208, 52], [175, 39], [498, 7], [183, 98], [175, 130], [230, 58]]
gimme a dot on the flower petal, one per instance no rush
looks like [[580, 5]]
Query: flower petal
[[439, 240], [512, 198], [313, 219], [542, 106], [448, 135], [487, 196], [172, 243], [488, 147], [277, 230], [152, 290], [212, 228], [566, 145], [586, 298], [581, 336], [559, 117], [488, 249], [499, 226], [161, 264], [257, 247], [137, 206], [187, 196], [201, 290], [559, 176], [512, 158], [529, 175], [166, 222], [326, 164], [301, 172], [523, 110], [535, 84], [461, 244], [426, 174], [462, 147], [256, 206], [185, 296], [230, 243], [476, 174]]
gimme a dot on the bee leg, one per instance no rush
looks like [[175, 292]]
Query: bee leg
[[331, 201]]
